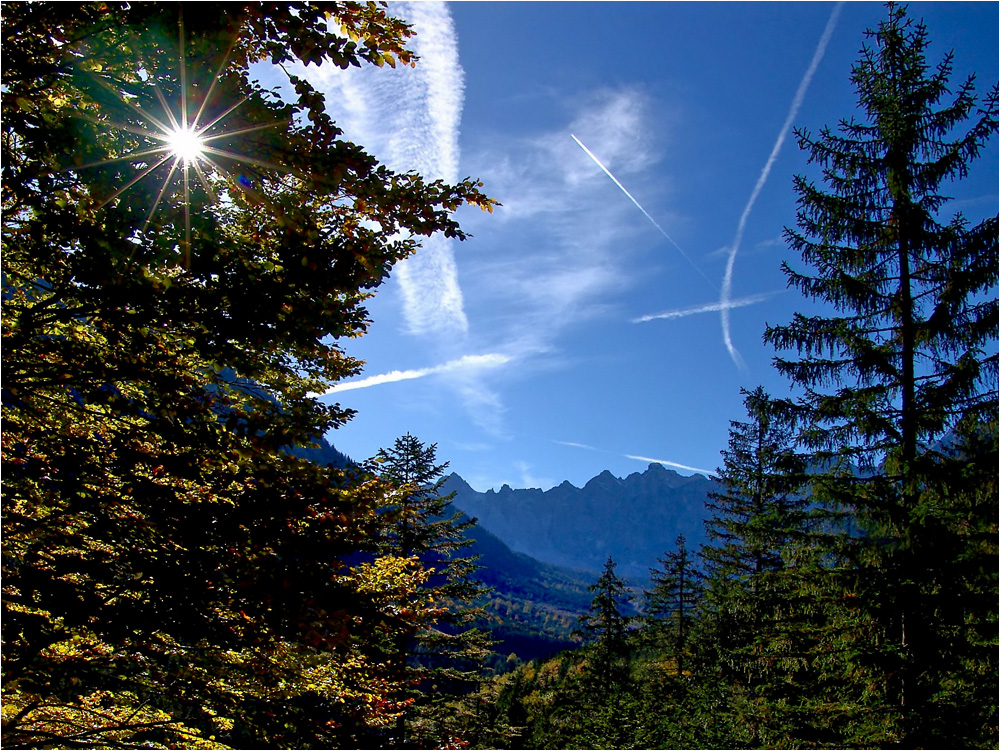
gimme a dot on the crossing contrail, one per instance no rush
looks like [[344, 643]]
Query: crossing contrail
[[710, 308], [638, 205], [725, 298]]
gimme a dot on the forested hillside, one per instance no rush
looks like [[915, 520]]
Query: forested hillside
[[533, 607]]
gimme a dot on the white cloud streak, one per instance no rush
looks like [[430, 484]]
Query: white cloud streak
[[555, 204], [741, 302], [725, 298], [646, 459], [575, 445], [638, 205], [466, 364], [666, 463], [409, 118]]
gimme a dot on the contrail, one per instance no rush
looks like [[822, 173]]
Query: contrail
[[664, 462], [638, 205], [741, 302], [468, 362], [573, 444], [727, 280]]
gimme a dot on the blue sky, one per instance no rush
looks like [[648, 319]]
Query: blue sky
[[532, 353]]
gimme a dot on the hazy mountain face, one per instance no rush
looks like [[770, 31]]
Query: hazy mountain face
[[635, 519]]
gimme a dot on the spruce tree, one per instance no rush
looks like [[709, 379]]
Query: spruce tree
[[606, 628], [904, 356], [755, 624], [604, 709], [672, 602], [444, 657], [759, 506]]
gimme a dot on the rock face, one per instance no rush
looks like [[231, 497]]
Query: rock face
[[633, 519]]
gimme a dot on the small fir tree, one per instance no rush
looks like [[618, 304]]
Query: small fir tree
[[672, 602], [606, 628], [444, 657]]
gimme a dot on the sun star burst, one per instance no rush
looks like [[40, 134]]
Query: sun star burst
[[183, 141], [185, 144]]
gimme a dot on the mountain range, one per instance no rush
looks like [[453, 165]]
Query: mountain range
[[540, 550], [635, 519]]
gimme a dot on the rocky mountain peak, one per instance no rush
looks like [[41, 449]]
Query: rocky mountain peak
[[635, 520]]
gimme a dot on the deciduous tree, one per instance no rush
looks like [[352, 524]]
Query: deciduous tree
[[172, 576]]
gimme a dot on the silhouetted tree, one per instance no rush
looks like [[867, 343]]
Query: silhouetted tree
[[906, 354]]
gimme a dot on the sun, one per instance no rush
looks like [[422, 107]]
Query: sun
[[185, 144]]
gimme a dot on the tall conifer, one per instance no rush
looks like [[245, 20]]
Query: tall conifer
[[904, 354], [754, 629]]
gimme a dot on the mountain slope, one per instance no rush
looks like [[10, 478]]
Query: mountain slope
[[634, 519], [533, 606]]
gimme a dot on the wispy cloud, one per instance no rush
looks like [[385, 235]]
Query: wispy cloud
[[555, 255], [409, 118], [725, 298], [574, 445], [648, 460], [467, 364], [741, 302], [555, 203], [667, 463]]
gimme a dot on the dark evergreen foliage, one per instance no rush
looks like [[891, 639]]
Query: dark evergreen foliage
[[445, 656], [605, 628], [672, 603], [909, 355]]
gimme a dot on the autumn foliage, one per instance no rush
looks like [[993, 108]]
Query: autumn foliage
[[172, 576]]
